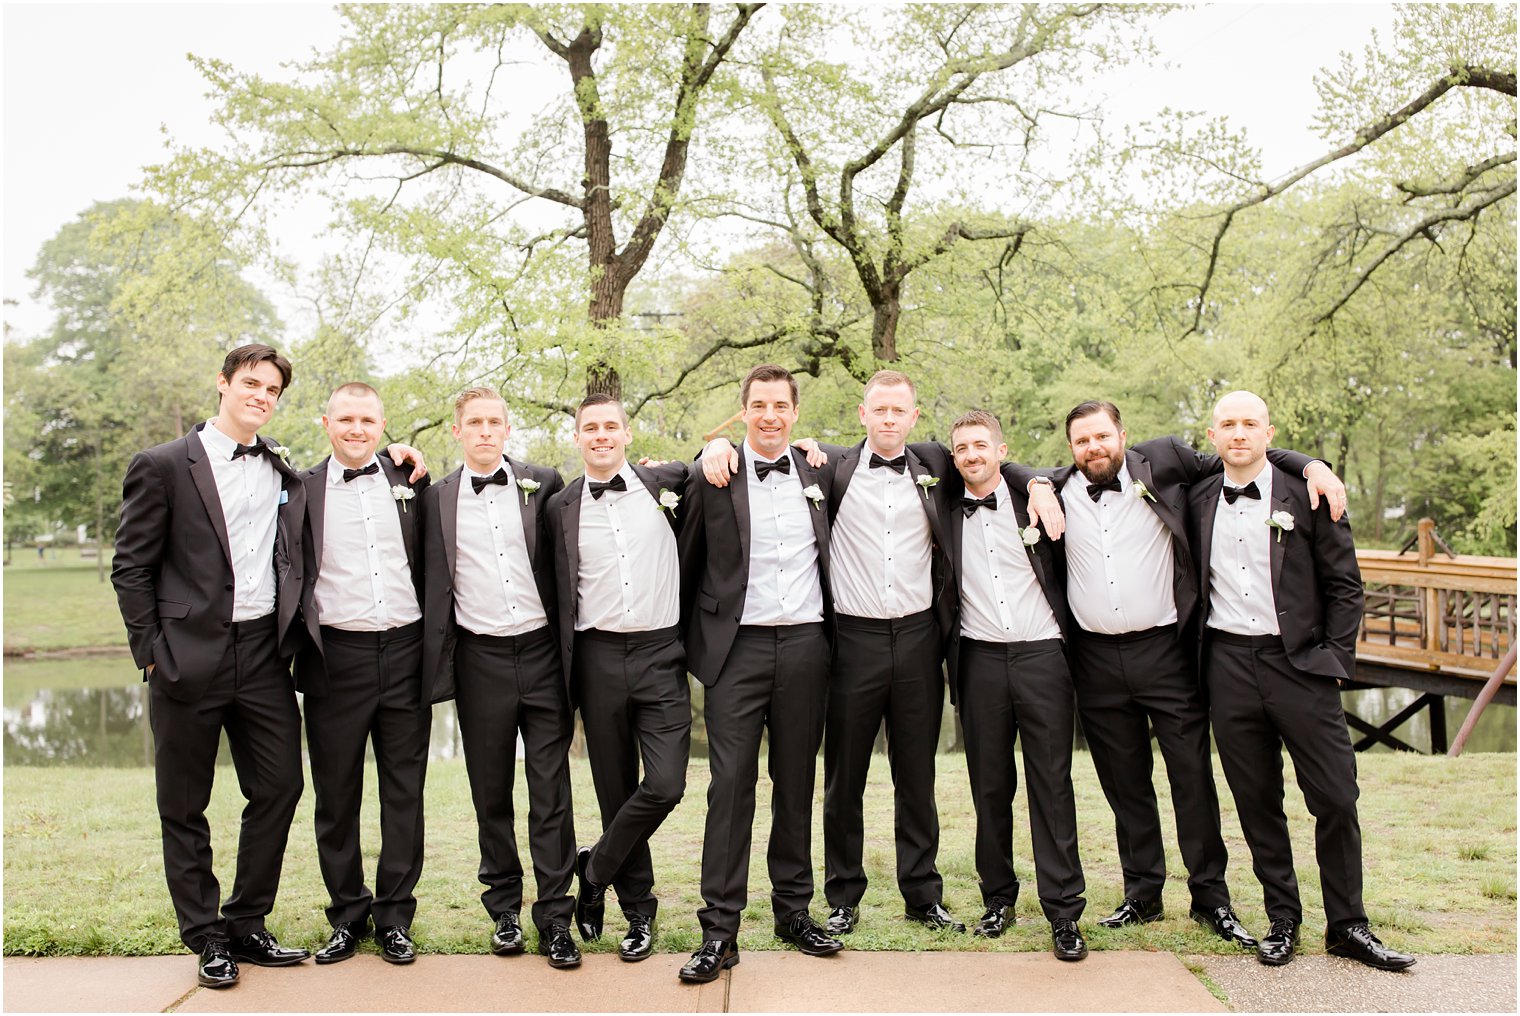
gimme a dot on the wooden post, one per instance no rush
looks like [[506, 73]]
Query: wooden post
[[1426, 534], [1484, 698]]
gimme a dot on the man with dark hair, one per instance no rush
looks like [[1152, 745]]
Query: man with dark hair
[[1133, 595], [755, 597], [487, 610], [208, 573], [361, 673], [619, 594]]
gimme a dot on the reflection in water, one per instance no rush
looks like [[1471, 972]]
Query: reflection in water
[[50, 725]]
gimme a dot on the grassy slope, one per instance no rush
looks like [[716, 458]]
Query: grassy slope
[[59, 604]]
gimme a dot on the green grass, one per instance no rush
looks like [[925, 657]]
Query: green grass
[[59, 603], [83, 869]]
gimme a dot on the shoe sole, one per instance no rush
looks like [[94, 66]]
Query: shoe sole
[[322, 961], [1070, 957], [634, 957], [511, 950], [209, 982], [958, 928], [399, 961], [1264, 961], [1208, 926], [838, 947], [1365, 963], [565, 965], [270, 963], [732, 961]]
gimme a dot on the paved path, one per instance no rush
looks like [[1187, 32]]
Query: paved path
[[771, 981]]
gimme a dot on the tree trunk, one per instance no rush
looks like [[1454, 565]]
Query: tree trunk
[[100, 520], [885, 312], [1378, 486]]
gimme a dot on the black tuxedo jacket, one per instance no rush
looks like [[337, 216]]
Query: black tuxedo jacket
[[1046, 558], [310, 669], [1316, 583], [440, 528], [1168, 467], [714, 548], [563, 513], [173, 565]]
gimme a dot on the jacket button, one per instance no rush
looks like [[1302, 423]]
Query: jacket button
[[226, 624], [229, 587]]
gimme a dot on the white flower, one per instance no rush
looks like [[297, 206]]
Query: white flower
[[528, 487], [1030, 536], [282, 451], [401, 492], [813, 494], [926, 482], [1142, 491], [669, 499], [1282, 522]]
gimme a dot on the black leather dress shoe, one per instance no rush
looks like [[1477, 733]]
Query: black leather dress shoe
[[1359, 943], [1223, 922], [935, 916], [842, 920], [639, 942], [343, 942], [1066, 941], [555, 942], [998, 918], [395, 944], [217, 968], [1133, 911], [802, 931], [262, 950], [1276, 950], [590, 899], [710, 960], [507, 939]]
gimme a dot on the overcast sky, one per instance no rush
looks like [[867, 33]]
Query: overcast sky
[[88, 90]]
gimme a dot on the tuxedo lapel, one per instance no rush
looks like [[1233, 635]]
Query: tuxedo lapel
[[529, 507], [1140, 470], [1208, 506], [844, 470], [394, 477], [652, 484], [570, 525], [448, 515], [205, 484], [809, 477], [316, 509], [738, 493], [917, 469], [1280, 503]]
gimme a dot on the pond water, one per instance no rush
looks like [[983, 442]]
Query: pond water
[[91, 711]]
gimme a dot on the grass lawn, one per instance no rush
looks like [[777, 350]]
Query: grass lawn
[[59, 603], [84, 873]]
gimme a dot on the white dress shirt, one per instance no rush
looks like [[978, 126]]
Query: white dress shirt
[[249, 488], [880, 545], [1118, 559], [784, 585], [494, 592], [364, 582], [627, 578], [1240, 563], [1001, 598]]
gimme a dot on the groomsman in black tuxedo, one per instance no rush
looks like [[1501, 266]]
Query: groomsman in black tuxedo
[[1282, 602], [619, 584], [489, 597], [1133, 593], [1008, 667], [755, 598], [361, 673], [208, 575]]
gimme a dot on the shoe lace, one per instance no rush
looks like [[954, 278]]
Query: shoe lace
[[1064, 926], [1282, 927]]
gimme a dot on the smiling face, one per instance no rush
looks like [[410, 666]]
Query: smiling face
[[354, 424], [769, 415], [1241, 433], [481, 428], [248, 400], [889, 413], [1097, 446], [978, 453], [603, 436]]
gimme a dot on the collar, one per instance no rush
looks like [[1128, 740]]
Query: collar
[[335, 470], [503, 464], [217, 444], [1123, 477], [1262, 479], [754, 456]]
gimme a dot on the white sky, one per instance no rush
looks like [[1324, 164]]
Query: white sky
[[88, 87]]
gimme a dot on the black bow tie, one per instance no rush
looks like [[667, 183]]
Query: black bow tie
[[482, 482], [248, 449], [781, 465], [1249, 490], [1095, 490], [897, 465], [369, 470], [598, 487], [969, 505]]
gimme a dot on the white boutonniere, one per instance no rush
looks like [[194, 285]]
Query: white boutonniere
[[1143, 492], [813, 494], [282, 451], [528, 487], [669, 499], [401, 492], [1282, 522], [1030, 535], [926, 482]]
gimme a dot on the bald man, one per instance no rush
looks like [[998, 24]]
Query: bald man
[[1281, 603]]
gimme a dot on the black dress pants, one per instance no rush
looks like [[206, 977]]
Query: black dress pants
[[1127, 684], [883, 670], [373, 696], [1260, 703], [635, 704], [774, 683], [253, 699], [506, 685], [1022, 690]]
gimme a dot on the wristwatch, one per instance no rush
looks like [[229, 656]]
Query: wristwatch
[[1044, 481]]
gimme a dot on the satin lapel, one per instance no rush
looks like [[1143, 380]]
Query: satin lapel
[[205, 483], [809, 477], [394, 477], [1140, 469], [844, 469], [1036, 561], [316, 508], [1280, 503], [448, 514], [738, 495], [652, 484], [528, 504], [1207, 510], [916, 468], [570, 522]]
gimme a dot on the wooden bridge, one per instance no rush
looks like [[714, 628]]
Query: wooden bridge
[[1439, 623]]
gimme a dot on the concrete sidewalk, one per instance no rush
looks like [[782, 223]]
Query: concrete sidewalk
[[772, 981]]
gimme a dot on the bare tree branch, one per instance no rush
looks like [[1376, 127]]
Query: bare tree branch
[[1456, 184]]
